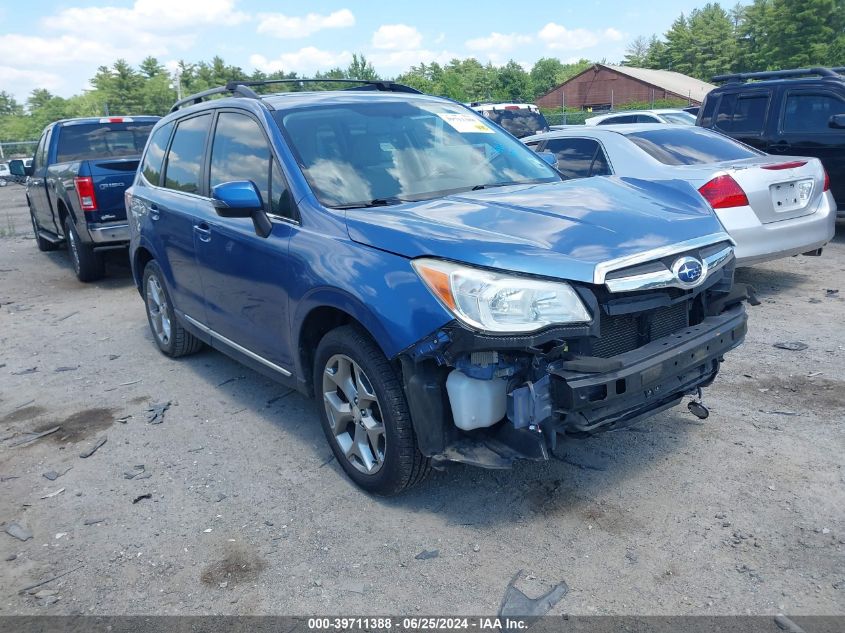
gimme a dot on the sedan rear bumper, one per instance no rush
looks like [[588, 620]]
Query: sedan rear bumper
[[757, 242]]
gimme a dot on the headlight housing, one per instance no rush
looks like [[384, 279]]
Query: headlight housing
[[500, 302]]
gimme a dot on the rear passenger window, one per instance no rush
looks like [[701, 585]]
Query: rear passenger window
[[750, 114], [154, 158], [241, 152], [811, 112], [579, 157], [185, 158]]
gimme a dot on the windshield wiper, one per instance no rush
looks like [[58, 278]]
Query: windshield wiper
[[376, 202], [505, 184]]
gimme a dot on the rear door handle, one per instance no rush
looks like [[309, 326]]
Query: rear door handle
[[203, 231]]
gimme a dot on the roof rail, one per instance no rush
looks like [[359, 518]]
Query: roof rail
[[817, 71], [242, 88]]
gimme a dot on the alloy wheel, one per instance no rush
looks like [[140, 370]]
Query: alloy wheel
[[157, 308], [354, 414]]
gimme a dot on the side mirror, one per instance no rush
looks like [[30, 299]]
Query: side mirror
[[241, 199], [837, 121], [549, 158], [17, 168]]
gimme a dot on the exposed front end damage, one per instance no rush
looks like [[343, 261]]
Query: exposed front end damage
[[489, 399]]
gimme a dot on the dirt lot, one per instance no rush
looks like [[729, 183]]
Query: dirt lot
[[741, 514]]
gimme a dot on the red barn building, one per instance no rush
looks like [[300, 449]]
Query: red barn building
[[602, 87]]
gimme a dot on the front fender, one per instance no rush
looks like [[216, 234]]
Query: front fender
[[379, 290]]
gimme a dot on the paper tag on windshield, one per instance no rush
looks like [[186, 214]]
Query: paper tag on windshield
[[465, 123]]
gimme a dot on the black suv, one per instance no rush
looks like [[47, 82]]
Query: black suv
[[797, 112]]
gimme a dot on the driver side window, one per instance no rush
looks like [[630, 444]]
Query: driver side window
[[240, 151]]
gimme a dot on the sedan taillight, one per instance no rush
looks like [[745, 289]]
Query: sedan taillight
[[723, 192], [826, 180]]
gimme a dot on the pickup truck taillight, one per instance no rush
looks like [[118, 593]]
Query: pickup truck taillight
[[723, 192], [85, 191]]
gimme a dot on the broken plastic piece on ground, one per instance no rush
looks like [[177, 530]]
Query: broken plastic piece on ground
[[142, 497], [94, 448], [515, 603], [155, 413], [28, 438], [427, 554], [18, 531], [793, 346]]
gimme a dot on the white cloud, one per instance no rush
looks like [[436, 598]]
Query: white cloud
[[22, 82], [498, 42], [397, 37], [613, 34], [558, 37], [153, 15], [306, 60], [387, 62], [291, 27]]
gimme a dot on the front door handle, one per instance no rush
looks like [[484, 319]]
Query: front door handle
[[203, 231]]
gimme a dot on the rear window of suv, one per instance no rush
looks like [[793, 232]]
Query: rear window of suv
[[520, 123], [690, 146], [102, 140]]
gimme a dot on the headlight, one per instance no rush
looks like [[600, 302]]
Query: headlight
[[499, 302]]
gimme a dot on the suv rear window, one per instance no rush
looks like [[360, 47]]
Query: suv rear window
[[519, 122], [102, 140], [690, 146]]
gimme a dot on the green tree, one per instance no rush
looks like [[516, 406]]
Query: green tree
[[361, 68], [636, 53]]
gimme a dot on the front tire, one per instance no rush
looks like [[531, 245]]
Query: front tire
[[365, 415], [87, 263], [172, 339]]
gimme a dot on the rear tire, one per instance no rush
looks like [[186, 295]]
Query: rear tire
[[87, 263], [172, 339], [365, 415], [43, 245]]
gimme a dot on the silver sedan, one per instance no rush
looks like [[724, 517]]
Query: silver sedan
[[772, 206]]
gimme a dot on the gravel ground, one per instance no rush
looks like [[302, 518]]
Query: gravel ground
[[233, 506]]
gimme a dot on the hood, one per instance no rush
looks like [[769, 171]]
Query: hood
[[558, 230]]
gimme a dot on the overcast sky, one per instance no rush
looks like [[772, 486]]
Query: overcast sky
[[58, 45]]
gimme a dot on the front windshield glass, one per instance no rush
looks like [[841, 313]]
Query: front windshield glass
[[684, 118], [384, 152]]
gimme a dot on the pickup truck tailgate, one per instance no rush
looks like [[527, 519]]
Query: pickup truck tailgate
[[110, 178]]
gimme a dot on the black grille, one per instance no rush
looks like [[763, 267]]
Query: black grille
[[625, 332]]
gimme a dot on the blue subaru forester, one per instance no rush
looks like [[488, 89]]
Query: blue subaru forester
[[438, 286]]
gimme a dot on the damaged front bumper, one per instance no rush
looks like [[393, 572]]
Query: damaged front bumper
[[570, 393], [632, 385]]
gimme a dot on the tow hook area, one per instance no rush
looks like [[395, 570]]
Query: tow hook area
[[697, 408]]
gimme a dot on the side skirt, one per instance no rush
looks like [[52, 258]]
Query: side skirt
[[239, 353]]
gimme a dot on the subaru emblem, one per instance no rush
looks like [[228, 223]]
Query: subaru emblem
[[689, 271]]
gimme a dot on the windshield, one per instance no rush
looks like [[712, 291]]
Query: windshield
[[102, 140], [693, 146], [377, 153], [519, 122], [684, 118]]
